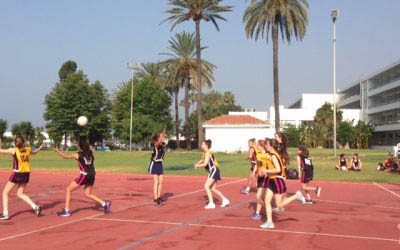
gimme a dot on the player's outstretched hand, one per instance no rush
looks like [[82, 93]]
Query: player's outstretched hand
[[55, 149]]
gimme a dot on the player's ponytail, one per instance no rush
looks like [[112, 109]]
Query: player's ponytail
[[281, 148]]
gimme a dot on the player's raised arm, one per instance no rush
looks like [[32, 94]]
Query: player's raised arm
[[37, 150], [10, 151], [65, 156]]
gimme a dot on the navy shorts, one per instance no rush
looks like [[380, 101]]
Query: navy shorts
[[156, 168], [262, 182], [86, 180], [215, 174], [19, 178], [277, 185], [306, 176]]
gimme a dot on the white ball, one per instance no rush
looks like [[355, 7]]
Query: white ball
[[82, 121], [344, 168]]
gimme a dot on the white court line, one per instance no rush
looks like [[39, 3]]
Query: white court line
[[390, 191], [97, 215], [251, 229], [356, 204]]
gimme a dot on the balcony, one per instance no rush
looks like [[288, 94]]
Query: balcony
[[387, 127], [384, 107], [346, 100], [384, 88]]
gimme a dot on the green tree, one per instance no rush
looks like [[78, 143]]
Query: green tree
[[323, 121], [293, 135], [363, 133], [3, 129], [182, 51], [288, 17], [39, 136], [71, 98], [25, 129], [151, 110], [346, 133], [197, 11], [69, 67]]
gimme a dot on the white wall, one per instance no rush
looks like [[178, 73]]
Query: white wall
[[351, 114], [233, 139]]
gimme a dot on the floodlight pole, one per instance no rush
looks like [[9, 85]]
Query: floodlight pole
[[133, 68], [334, 15]]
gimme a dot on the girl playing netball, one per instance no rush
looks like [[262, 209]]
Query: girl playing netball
[[252, 156], [276, 186], [156, 166], [262, 180], [306, 170], [20, 176], [210, 163], [85, 159]]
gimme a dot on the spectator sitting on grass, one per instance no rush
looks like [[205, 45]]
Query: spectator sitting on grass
[[391, 164], [343, 164], [356, 164]]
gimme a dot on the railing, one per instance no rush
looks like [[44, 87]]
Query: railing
[[377, 84]]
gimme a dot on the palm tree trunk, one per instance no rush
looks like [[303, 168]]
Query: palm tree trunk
[[176, 95], [187, 115], [199, 87], [276, 76]]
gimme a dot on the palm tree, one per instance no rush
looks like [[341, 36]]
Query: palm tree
[[287, 17], [182, 51], [197, 10]]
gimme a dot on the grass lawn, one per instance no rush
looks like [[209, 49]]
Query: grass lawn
[[234, 165]]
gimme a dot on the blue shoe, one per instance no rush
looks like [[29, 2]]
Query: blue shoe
[[244, 191], [256, 217], [107, 207], [64, 213]]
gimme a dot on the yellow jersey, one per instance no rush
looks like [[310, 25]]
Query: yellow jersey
[[21, 160], [282, 174], [212, 163], [262, 161]]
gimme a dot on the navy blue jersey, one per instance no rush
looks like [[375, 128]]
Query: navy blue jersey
[[158, 153]]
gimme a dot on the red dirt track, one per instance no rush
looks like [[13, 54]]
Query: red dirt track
[[347, 216]]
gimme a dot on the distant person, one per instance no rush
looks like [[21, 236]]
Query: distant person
[[356, 164], [85, 159], [391, 164], [306, 170], [380, 167], [343, 164], [252, 156], [20, 175], [156, 166], [211, 165]]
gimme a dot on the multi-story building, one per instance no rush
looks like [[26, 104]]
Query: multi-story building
[[378, 98]]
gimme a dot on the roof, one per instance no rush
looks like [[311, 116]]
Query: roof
[[235, 120]]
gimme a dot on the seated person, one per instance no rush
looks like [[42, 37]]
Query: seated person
[[389, 163], [342, 164], [380, 167], [356, 164]]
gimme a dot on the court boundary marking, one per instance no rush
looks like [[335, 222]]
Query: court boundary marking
[[248, 229], [114, 211], [386, 189], [356, 204]]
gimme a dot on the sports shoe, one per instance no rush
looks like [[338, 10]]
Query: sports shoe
[[256, 217], [267, 225], [210, 205], [278, 209], [310, 202], [107, 207], [225, 203], [64, 213], [300, 198], [318, 191], [244, 191], [38, 210], [157, 203], [4, 217], [161, 200]]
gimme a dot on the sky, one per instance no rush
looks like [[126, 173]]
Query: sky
[[36, 37]]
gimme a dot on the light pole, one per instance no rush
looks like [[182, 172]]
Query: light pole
[[334, 15], [133, 68]]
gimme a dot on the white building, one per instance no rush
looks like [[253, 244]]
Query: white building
[[230, 133], [378, 98]]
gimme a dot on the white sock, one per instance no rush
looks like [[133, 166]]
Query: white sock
[[5, 212], [104, 204], [33, 206], [66, 209]]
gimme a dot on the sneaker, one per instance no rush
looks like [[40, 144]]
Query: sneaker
[[310, 202], [38, 210], [210, 206], [300, 198], [161, 200], [245, 191], [267, 225], [107, 207], [225, 203], [4, 217], [318, 191], [256, 217], [64, 213], [278, 209], [156, 203]]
